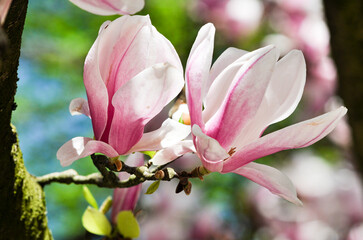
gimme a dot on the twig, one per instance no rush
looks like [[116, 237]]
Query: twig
[[107, 177], [71, 176]]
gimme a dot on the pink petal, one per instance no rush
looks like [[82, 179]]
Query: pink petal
[[229, 56], [299, 135], [146, 48], [114, 42], [272, 179], [139, 100], [278, 102], [4, 8], [210, 152], [243, 97], [222, 83], [289, 72], [109, 7], [126, 198], [170, 133], [111, 45], [135, 160], [80, 147], [171, 153], [79, 106], [96, 88], [197, 71]]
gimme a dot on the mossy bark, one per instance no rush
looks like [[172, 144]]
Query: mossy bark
[[22, 207], [345, 22]]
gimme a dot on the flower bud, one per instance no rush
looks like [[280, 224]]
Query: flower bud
[[159, 175], [188, 188]]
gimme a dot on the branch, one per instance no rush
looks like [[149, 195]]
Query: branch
[[107, 177], [71, 176]]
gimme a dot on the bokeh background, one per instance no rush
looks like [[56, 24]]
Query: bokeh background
[[57, 37]]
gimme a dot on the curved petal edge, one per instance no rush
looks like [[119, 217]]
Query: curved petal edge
[[80, 147], [272, 179]]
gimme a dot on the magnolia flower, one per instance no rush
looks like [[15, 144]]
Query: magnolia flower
[[130, 74], [242, 94], [125, 199], [110, 7]]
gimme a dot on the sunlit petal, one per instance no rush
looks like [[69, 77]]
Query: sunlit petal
[[80, 147], [272, 179], [79, 106], [299, 135]]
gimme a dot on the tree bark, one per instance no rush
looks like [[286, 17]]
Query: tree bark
[[345, 22], [22, 208]]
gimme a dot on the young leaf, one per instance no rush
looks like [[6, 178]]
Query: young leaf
[[96, 222], [181, 119], [153, 187], [127, 224], [106, 205], [89, 197], [151, 154]]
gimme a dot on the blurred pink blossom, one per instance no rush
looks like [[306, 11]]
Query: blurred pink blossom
[[302, 22], [356, 233], [333, 202], [235, 18], [110, 7], [174, 216]]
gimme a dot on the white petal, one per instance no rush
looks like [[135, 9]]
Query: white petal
[[272, 179], [197, 71], [171, 153], [170, 133], [281, 98], [229, 56], [210, 152], [138, 101], [79, 106], [243, 98], [299, 135], [220, 86], [80, 147]]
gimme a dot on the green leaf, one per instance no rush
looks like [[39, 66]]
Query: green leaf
[[181, 120], [89, 197], [151, 154], [127, 224], [96, 222], [106, 205], [153, 187]]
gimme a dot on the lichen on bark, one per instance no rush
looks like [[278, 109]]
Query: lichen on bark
[[29, 197]]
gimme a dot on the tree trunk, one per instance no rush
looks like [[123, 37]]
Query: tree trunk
[[22, 208], [346, 27]]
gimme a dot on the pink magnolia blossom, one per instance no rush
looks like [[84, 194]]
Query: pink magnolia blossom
[[110, 7], [242, 94], [235, 18], [125, 199], [356, 232], [130, 74], [4, 8]]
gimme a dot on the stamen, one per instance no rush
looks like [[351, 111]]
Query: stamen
[[118, 164], [232, 151]]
